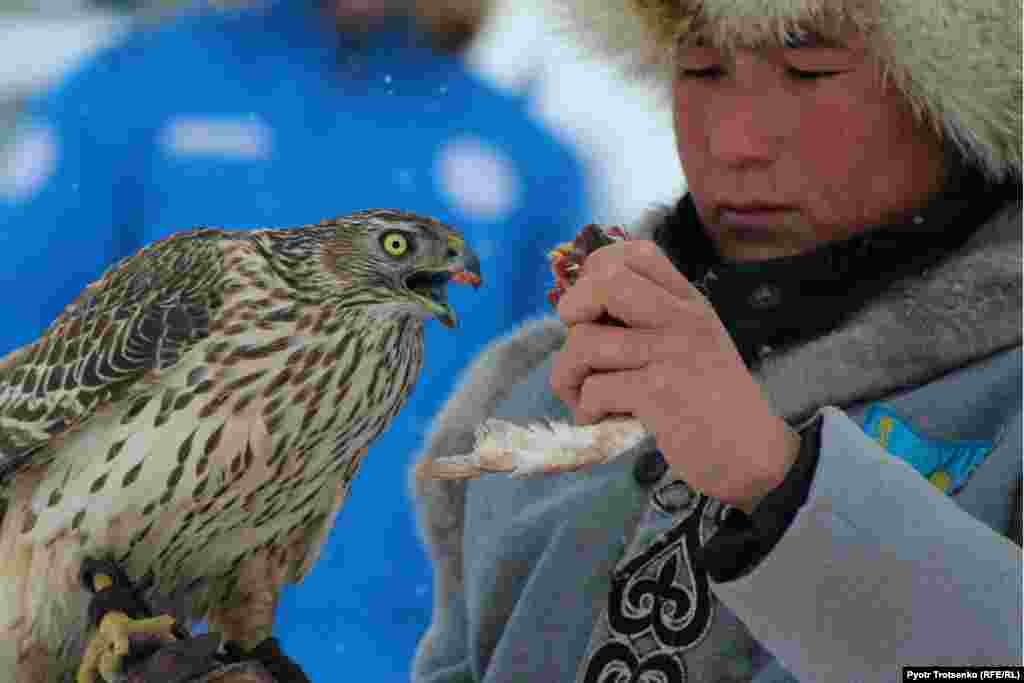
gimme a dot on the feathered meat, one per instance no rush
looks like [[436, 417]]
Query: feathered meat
[[567, 258], [550, 447]]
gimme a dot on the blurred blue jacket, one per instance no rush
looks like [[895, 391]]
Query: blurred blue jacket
[[268, 116]]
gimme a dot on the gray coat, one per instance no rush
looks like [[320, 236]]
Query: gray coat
[[550, 578]]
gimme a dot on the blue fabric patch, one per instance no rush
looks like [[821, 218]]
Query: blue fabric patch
[[946, 463]]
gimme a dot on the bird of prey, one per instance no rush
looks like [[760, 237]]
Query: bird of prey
[[197, 416]]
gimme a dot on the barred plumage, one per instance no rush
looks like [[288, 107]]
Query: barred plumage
[[198, 414]]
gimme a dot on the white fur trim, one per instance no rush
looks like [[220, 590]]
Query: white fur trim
[[957, 61]]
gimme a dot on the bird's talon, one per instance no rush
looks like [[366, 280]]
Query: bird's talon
[[113, 640], [119, 627]]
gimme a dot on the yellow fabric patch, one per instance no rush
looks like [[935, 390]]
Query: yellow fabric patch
[[941, 480], [946, 463]]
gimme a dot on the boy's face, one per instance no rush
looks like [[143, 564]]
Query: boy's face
[[786, 148]]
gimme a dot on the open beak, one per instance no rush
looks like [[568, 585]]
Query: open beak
[[462, 267]]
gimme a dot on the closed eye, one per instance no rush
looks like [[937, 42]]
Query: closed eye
[[712, 72], [706, 72], [810, 75]]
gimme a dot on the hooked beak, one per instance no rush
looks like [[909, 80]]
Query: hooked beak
[[462, 267]]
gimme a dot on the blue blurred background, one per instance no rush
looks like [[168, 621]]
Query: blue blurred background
[[121, 122]]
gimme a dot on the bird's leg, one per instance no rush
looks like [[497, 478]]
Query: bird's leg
[[247, 615], [249, 621], [34, 665], [122, 619], [246, 620]]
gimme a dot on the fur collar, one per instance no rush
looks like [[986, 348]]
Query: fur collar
[[963, 310]]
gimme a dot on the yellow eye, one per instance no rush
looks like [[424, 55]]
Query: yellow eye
[[395, 243]]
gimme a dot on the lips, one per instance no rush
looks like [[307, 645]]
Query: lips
[[748, 207], [752, 215]]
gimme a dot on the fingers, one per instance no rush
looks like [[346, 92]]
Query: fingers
[[609, 393], [646, 258], [591, 349], [632, 281], [621, 294]]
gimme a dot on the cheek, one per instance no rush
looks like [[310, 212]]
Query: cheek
[[688, 126], [839, 135], [692, 142], [879, 161]]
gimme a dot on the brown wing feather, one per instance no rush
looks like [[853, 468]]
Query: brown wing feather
[[141, 316]]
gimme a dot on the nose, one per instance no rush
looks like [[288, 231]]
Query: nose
[[753, 117], [747, 132]]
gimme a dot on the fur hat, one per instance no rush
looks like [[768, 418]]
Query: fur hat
[[453, 23], [957, 61]]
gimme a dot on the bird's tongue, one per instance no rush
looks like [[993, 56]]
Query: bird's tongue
[[465, 277]]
